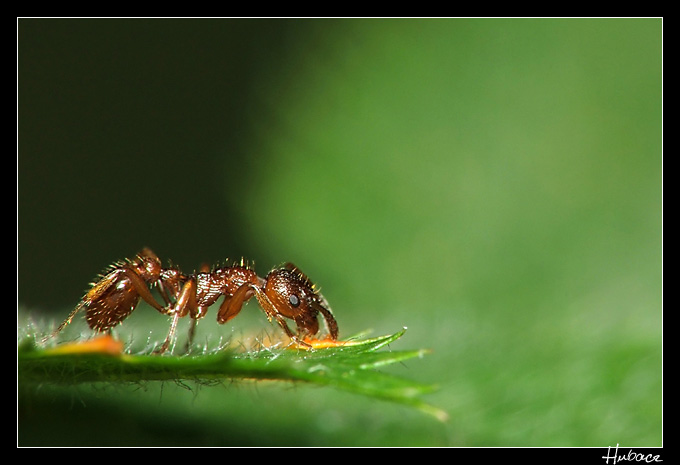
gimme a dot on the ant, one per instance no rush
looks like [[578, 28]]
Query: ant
[[285, 293]]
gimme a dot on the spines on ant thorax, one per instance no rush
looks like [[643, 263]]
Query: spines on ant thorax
[[227, 278], [242, 263]]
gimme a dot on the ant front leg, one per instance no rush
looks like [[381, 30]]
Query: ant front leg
[[231, 306]]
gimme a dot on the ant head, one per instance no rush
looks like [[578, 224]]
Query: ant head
[[290, 291], [295, 297]]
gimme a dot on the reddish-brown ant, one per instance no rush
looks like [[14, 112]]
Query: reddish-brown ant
[[285, 293]]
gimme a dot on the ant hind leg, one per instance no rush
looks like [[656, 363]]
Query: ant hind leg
[[65, 323], [191, 335], [170, 337], [186, 301]]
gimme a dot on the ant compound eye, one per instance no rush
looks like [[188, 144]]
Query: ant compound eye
[[294, 300]]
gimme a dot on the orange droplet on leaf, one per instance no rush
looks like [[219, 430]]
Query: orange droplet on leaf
[[98, 345]]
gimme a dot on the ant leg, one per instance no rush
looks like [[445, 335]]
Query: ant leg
[[231, 306], [143, 290], [94, 294], [171, 336], [186, 300], [164, 293], [192, 333], [65, 323]]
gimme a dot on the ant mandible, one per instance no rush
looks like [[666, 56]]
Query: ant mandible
[[285, 293]]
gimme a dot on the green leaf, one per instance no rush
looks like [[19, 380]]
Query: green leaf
[[353, 368]]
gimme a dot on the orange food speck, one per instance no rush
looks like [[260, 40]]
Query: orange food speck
[[323, 343], [99, 345]]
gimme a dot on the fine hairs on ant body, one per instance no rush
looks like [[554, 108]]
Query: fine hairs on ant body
[[285, 293]]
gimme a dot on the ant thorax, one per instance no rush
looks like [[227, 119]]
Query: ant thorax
[[210, 285]]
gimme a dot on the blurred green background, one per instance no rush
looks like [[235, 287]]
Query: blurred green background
[[493, 185]]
